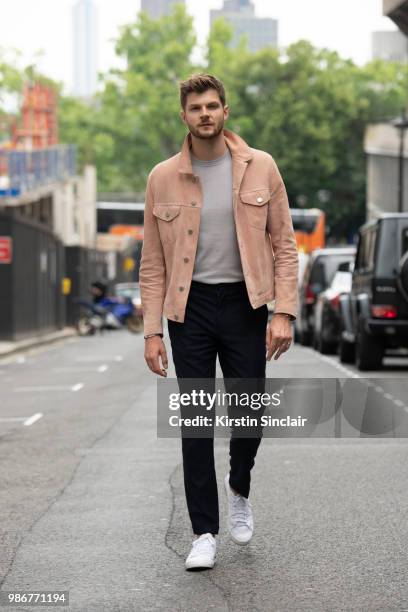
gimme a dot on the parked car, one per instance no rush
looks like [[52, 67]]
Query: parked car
[[319, 273], [129, 290], [375, 313], [327, 318]]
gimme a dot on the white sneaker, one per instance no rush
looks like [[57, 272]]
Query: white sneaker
[[240, 519], [203, 551]]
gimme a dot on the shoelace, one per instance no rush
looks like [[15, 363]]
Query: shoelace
[[240, 508], [205, 543]]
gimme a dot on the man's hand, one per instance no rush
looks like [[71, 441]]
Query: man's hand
[[278, 336], [154, 348]]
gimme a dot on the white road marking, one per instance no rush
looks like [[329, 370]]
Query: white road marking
[[26, 420], [90, 358], [42, 388], [33, 419], [103, 368], [79, 369], [77, 387], [338, 365], [21, 360], [352, 374]]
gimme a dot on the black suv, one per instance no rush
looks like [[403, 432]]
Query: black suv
[[375, 313]]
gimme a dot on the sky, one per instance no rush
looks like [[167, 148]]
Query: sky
[[343, 25]]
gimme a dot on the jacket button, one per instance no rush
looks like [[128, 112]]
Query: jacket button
[[186, 259], [190, 231], [259, 199], [167, 215], [176, 317], [193, 203], [181, 288]]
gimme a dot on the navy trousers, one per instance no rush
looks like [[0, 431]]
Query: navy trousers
[[219, 320]]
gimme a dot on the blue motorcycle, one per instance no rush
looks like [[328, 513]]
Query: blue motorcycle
[[108, 313]]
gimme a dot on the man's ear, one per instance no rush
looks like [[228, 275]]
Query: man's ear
[[183, 116], [226, 112]]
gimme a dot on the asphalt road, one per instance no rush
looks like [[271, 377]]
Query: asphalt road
[[92, 501]]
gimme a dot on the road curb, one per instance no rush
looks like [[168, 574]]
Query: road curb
[[10, 348]]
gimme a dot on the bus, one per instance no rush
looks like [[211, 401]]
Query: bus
[[309, 227]]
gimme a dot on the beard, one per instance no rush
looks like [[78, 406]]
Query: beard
[[207, 133]]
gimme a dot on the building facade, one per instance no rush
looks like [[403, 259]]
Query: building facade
[[391, 46], [397, 10], [387, 160], [157, 8], [261, 32], [85, 46], [382, 149]]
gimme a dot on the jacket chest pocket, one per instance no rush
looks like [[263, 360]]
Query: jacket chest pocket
[[167, 220], [255, 205]]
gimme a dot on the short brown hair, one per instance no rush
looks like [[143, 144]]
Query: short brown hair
[[199, 83]]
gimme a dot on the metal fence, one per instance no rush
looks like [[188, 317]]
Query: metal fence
[[31, 300], [22, 171]]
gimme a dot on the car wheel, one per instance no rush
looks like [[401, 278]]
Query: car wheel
[[134, 324], [347, 351], [305, 338], [85, 327], [369, 351], [326, 348]]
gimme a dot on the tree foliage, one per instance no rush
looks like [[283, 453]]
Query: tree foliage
[[308, 107]]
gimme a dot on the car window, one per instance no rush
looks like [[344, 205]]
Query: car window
[[370, 248], [387, 251], [131, 292], [325, 267], [304, 223], [361, 252], [404, 241], [366, 250]]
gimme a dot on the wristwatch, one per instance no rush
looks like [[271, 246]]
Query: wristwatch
[[152, 335]]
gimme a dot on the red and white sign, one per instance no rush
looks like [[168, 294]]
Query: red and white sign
[[6, 249]]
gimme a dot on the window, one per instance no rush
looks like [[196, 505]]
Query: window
[[360, 252], [404, 241]]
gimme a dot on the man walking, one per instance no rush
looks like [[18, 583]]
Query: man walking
[[218, 246]]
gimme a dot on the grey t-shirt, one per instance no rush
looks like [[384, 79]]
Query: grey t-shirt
[[217, 258]]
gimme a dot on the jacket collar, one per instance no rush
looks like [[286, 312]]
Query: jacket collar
[[239, 149]]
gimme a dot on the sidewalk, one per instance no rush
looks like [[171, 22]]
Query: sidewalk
[[8, 348]]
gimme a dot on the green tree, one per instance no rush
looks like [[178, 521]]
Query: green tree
[[139, 107]]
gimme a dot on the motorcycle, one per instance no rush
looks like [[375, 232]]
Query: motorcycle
[[109, 313]]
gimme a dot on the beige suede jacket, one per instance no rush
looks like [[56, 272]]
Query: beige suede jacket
[[263, 224]]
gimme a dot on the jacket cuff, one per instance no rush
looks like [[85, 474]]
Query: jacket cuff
[[286, 308], [291, 316], [152, 327]]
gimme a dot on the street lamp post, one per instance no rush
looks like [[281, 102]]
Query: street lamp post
[[401, 123]]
